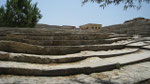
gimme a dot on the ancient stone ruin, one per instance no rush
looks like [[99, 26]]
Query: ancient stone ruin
[[61, 52]]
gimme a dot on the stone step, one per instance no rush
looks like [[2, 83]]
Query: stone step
[[64, 34], [18, 47], [86, 66], [67, 42], [47, 32], [119, 38], [45, 59], [117, 35], [61, 36], [64, 42], [137, 44], [69, 37], [55, 37], [146, 47], [131, 74]]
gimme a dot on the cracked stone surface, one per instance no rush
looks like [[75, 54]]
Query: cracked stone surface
[[126, 75], [85, 66], [63, 58]]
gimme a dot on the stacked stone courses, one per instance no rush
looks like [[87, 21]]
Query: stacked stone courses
[[54, 52]]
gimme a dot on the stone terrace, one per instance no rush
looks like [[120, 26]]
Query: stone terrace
[[62, 52]]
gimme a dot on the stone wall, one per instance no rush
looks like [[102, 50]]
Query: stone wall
[[91, 27], [137, 26]]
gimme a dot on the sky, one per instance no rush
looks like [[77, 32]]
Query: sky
[[71, 12]]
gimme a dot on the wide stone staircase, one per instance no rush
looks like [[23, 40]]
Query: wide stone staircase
[[50, 52]]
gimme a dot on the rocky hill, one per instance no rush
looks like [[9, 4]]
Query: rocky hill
[[47, 26], [137, 26]]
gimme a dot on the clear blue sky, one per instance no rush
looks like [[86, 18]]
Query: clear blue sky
[[71, 12]]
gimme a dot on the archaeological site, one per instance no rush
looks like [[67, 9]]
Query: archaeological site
[[116, 54]]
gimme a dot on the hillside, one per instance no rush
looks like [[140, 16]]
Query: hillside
[[137, 26]]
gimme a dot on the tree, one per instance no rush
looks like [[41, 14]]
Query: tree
[[19, 13], [2, 14], [127, 3]]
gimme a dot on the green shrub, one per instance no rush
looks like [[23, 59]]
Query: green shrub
[[118, 66], [19, 13]]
